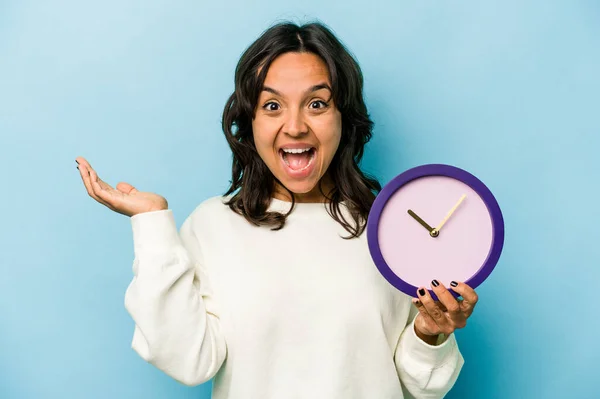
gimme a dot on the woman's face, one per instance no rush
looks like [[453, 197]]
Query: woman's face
[[297, 127]]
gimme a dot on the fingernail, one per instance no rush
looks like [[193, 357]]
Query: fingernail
[[454, 283], [435, 283], [421, 292]]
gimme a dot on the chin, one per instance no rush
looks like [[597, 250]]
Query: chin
[[300, 188]]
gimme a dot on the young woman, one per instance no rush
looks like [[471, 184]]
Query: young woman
[[270, 288]]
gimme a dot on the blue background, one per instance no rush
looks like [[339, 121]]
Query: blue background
[[508, 90]]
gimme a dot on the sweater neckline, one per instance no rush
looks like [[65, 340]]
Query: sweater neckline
[[289, 203], [284, 206]]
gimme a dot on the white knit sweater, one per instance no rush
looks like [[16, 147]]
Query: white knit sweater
[[295, 313]]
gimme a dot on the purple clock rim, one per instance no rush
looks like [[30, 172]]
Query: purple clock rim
[[435, 170]]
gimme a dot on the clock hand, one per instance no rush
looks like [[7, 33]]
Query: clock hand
[[450, 212], [423, 223]]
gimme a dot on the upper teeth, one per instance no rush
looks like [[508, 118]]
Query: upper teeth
[[295, 150]]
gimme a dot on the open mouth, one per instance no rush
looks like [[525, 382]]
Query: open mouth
[[298, 159]]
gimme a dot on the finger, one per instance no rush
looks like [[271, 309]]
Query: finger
[[85, 176], [88, 176], [102, 190], [126, 188], [433, 309], [80, 160], [105, 186], [469, 295], [423, 311], [450, 303], [446, 298], [441, 306]]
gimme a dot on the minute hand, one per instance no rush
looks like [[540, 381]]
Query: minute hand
[[450, 212]]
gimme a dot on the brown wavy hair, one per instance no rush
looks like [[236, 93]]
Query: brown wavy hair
[[252, 181]]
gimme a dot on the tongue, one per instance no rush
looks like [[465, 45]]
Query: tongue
[[298, 161]]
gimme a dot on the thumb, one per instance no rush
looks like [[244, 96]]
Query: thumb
[[126, 188]]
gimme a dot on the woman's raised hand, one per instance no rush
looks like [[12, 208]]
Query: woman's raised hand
[[125, 199]]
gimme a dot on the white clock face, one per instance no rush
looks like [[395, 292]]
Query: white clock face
[[463, 241]]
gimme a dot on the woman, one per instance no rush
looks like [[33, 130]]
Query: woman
[[270, 289]]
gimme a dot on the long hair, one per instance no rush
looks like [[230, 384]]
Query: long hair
[[252, 182]]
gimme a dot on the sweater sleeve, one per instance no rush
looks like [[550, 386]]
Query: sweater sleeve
[[176, 326], [426, 371]]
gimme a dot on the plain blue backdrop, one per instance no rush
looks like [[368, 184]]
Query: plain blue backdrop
[[508, 90]]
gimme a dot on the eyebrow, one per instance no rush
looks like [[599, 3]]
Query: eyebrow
[[310, 90]]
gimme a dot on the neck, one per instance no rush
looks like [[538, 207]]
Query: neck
[[313, 196]]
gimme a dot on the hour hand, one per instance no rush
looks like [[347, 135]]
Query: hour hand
[[421, 221]]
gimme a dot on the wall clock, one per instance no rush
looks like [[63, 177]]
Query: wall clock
[[435, 221]]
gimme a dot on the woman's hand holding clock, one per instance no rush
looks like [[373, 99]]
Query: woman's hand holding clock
[[447, 314], [409, 252]]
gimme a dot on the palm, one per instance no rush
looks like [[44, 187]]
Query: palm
[[124, 199]]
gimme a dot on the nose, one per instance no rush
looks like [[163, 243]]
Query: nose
[[295, 125]]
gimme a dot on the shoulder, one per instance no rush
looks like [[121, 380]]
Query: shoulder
[[208, 216], [211, 207]]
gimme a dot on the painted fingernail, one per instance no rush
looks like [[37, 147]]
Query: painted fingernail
[[435, 283], [454, 283], [421, 292]]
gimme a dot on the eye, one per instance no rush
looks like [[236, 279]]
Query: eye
[[318, 104], [271, 106]]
